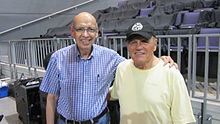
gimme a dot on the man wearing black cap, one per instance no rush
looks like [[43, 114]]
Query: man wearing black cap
[[148, 92]]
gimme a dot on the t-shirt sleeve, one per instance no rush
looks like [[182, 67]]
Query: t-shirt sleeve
[[114, 88], [181, 109], [50, 82], [119, 59]]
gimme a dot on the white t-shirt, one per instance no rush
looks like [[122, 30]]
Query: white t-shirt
[[154, 96]]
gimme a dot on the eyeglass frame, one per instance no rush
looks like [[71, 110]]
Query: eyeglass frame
[[81, 30]]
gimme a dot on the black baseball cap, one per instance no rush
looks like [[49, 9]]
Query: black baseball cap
[[142, 29]]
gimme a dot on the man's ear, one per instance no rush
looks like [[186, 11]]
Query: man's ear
[[155, 44], [71, 31], [97, 32]]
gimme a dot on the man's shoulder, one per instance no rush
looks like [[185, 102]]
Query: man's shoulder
[[67, 48], [171, 70], [103, 49], [64, 50]]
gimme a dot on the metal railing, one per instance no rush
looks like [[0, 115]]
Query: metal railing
[[31, 53], [178, 48], [206, 50], [182, 48]]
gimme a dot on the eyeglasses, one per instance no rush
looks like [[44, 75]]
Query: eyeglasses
[[135, 42], [89, 30]]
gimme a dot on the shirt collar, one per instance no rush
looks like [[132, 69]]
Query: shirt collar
[[93, 53]]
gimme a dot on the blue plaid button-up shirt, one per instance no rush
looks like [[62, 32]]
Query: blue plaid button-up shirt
[[82, 84]]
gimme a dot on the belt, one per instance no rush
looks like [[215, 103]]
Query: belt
[[94, 120]]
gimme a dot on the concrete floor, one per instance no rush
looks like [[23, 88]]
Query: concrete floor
[[8, 109]]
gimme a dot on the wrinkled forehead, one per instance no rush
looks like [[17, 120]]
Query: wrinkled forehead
[[85, 25]]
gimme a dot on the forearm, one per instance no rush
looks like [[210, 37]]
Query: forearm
[[109, 98], [51, 108]]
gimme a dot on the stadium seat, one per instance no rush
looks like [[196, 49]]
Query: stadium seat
[[213, 41], [217, 17], [178, 20], [145, 12], [121, 3], [190, 20]]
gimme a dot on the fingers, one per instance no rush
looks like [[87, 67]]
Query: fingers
[[176, 66], [171, 62], [168, 59], [164, 58]]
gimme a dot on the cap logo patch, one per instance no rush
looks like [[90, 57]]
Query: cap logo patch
[[137, 27]]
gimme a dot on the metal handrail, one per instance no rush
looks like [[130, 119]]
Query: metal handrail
[[45, 17]]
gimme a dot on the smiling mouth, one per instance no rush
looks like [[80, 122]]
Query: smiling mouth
[[86, 42], [139, 53]]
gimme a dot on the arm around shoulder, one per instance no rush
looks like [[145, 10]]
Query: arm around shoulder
[[109, 98]]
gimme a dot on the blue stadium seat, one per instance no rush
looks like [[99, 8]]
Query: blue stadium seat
[[145, 12], [178, 20], [190, 20], [213, 41]]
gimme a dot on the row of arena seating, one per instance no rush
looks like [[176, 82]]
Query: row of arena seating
[[169, 17], [189, 18]]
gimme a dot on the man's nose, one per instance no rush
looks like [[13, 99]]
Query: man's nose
[[139, 45], [85, 33]]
